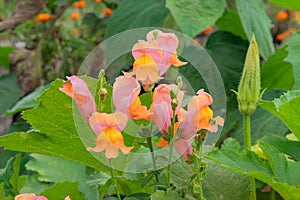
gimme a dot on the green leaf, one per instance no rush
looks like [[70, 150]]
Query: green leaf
[[33, 185], [255, 21], [280, 174], [9, 89], [291, 4], [27, 102], [284, 145], [262, 123], [293, 48], [2, 194], [6, 174], [61, 190], [4, 56], [65, 170], [230, 21], [287, 108], [282, 72], [220, 183], [56, 135], [165, 195], [134, 14], [194, 16]]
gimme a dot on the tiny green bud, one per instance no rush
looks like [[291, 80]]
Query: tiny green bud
[[179, 82], [101, 73], [248, 94]]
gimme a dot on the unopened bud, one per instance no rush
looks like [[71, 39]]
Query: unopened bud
[[101, 74], [102, 93], [179, 82], [248, 94], [174, 101]]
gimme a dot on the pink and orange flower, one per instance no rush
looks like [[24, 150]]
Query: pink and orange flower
[[108, 129], [126, 92], [199, 116], [154, 57], [77, 89]]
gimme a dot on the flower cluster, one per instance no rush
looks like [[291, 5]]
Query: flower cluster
[[153, 57]]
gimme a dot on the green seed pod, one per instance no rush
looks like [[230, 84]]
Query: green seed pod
[[248, 94]]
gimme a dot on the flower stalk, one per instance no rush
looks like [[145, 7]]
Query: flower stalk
[[249, 95], [114, 179], [199, 165]]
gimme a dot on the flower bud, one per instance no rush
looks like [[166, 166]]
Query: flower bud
[[102, 93], [248, 94]]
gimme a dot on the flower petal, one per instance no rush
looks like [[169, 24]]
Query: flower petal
[[125, 91], [78, 90], [100, 121]]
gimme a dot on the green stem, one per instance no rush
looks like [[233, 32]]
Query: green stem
[[247, 144], [114, 179], [149, 142], [198, 164], [171, 149], [150, 145]]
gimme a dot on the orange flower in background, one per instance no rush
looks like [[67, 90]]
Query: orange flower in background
[[282, 15], [79, 4], [43, 17], [286, 34], [207, 31], [75, 16], [107, 11], [75, 32], [97, 1], [108, 129]]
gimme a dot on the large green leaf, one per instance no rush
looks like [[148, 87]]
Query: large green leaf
[[194, 16], [291, 4], [220, 183], [65, 170], [282, 72], [10, 91], [165, 195], [287, 108], [134, 14], [4, 56], [54, 131], [230, 21], [27, 102], [293, 48], [282, 175], [255, 21], [61, 190], [284, 145]]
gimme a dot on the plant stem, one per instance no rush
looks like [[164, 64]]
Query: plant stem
[[114, 179], [149, 142], [171, 149], [247, 144], [198, 164]]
